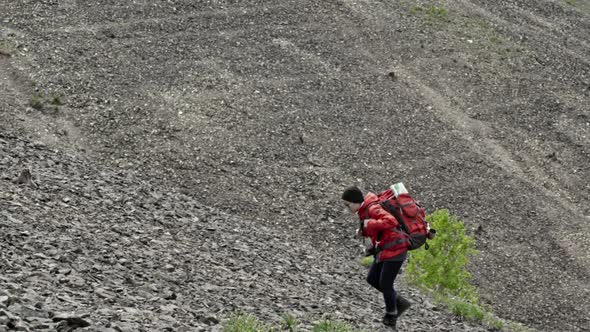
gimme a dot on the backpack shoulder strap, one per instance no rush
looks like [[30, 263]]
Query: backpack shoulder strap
[[389, 207]]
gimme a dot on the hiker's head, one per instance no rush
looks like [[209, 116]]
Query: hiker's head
[[353, 198]]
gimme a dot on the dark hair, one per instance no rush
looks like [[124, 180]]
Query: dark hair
[[353, 195]]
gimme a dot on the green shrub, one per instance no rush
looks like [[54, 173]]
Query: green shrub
[[367, 261], [441, 268]]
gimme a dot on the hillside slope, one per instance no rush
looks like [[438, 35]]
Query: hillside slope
[[267, 109], [104, 247]]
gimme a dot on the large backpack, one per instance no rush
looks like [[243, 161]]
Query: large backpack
[[409, 214]]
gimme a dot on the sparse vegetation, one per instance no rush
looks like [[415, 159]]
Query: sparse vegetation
[[290, 323], [431, 13], [571, 2], [581, 5], [56, 100], [36, 101], [435, 13], [245, 323], [5, 49], [495, 40], [493, 44]]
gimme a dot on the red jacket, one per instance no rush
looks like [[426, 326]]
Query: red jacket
[[382, 228]]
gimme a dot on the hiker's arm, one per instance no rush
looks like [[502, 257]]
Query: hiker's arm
[[381, 220]]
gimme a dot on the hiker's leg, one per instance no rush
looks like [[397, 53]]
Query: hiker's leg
[[389, 272], [374, 275], [401, 304]]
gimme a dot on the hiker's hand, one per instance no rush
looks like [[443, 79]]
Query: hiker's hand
[[370, 250]]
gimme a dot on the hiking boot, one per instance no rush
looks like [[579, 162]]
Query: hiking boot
[[402, 305], [390, 320]]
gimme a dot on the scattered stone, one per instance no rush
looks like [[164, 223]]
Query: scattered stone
[[70, 320], [209, 320], [170, 296], [21, 326], [25, 177], [103, 293], [4, 301]]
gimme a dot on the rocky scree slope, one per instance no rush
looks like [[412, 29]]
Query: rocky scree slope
[[267, 109], [97, 249]]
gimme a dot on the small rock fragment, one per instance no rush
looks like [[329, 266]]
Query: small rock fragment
[[25, 177], [4, 301], [70, 320]]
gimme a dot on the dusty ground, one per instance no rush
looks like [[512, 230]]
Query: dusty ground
[[266, 110]]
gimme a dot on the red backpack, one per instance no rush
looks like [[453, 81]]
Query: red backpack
[[410, 215]]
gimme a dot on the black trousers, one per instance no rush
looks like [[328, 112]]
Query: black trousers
[[381, 276]]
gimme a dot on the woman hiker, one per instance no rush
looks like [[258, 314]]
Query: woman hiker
[[391, 246]]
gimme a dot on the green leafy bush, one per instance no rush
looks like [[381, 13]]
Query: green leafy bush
[[441, 268]]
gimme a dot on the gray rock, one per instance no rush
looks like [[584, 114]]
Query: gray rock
[[4, 301], [67, 320]]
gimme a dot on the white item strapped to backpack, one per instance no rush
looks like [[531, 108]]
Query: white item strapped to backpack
[[398, 189]]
